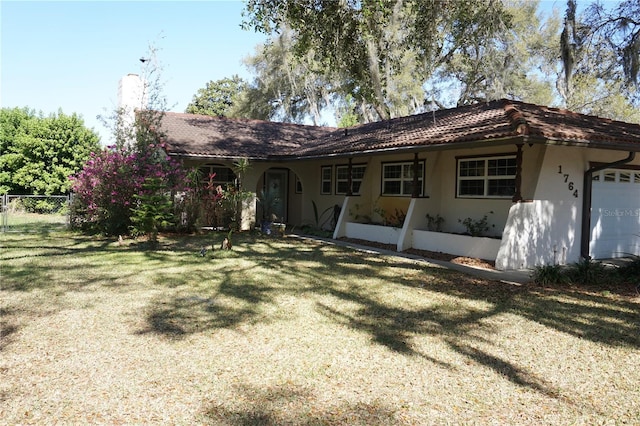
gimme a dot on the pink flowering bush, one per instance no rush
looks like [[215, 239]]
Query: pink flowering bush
[[108, 188]]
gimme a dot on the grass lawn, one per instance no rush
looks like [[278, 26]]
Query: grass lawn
[[284, 331], [33, 222]]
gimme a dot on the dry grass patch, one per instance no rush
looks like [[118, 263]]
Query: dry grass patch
[[281, 331]]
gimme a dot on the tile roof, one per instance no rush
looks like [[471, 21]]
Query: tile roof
[[497, 121], [205, 136]]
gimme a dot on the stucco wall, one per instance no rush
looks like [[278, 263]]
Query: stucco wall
[[439, 188], [547, 230], [453, 209], [543, 229], [309, 173]]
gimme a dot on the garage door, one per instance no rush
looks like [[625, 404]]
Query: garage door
[[615, 214]]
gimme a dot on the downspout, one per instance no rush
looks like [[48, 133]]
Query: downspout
[[349, 178], [585, 238], [517, 196], [415, 193]]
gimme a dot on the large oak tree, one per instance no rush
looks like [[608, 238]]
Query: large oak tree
[[600, 52], [381, 52], [218, 97]]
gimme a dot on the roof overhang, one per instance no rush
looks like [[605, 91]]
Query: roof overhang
[[612, 146], [494, 123], [445, 146]]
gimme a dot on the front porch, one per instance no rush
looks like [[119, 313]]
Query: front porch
[[414, 235]]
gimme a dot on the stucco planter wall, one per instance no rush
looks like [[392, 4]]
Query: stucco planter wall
[[377, 233], [460, 245]]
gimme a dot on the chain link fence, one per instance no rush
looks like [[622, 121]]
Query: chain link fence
[[34, 213]]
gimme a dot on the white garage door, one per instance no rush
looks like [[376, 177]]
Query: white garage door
[[615, 214]]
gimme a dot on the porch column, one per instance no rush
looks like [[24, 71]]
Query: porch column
[[349, 179], [416, 189], [343, 218], [517, 196]]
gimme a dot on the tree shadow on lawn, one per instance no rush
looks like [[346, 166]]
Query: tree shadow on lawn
[[31, 262], [233, 302], [62, 276], [68, 246], [222, 295], [225, 296], [515, 374], [292, 405], [395, 327], [317, 269], [466, 329], [612, 320], [236, 296], [43, 229], [7, 328]]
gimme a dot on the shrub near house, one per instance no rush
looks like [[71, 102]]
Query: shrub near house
[[107, 187]]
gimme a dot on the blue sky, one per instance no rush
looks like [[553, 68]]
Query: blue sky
[[71, 55]]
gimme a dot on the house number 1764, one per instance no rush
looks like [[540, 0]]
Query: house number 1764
[[570, 184]]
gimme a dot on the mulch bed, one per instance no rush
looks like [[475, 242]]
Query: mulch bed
[[435, 255], [626, 289]]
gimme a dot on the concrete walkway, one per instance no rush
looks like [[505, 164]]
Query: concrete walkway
[[511, 277]]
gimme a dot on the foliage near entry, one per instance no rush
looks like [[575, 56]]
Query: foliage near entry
[[107, 187], [153, 210], [589, 273]]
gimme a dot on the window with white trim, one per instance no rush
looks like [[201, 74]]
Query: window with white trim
[[397, 178], [486, 177], [325, 180], [218, 174], [617, 176], [342, 178]]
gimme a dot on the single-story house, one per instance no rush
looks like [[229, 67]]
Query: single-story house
[[540, 185]]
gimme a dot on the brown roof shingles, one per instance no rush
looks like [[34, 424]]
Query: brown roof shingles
[[564, 125], [205, 136], [444, 127], [196, 135]]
